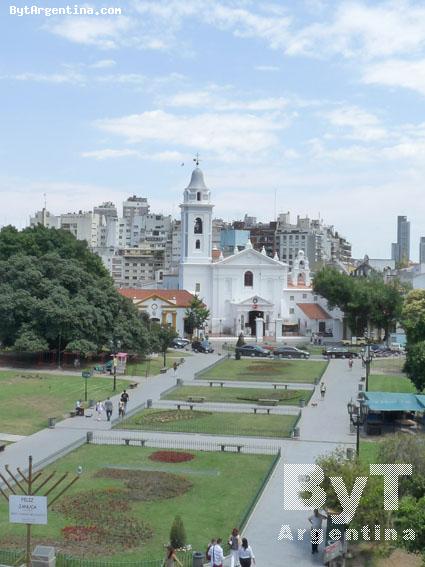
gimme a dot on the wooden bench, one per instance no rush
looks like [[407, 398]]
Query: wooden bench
[[265, 402], [141, 441], [133, 385], [2, 447], [212, 382], [276, 386], [262, 408], [179, 405], [196, 399], [224, 445]]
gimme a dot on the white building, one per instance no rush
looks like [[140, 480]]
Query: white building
[[248, 291]]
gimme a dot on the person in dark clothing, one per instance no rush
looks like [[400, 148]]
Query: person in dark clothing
[[108, 408], [124, 398]]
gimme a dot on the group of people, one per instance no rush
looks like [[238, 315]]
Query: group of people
[[241, 554], [108, 407]]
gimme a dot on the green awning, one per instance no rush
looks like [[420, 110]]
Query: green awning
[[393, 401]]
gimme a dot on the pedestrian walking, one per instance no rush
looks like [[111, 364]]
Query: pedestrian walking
[[109, 409], [350, 363], [125, 398], [322, 390], [316, 530], [217, 555], [99, 410], [121, 409], [171, 558], [234, 543], [175, 366], [208, 551], [246, 556]]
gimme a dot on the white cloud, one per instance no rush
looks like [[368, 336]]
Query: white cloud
[[267, 68], [105, 33], [353, 122], [68, 76], [222, 134], [397, 73], [109, 154], [103, 64]]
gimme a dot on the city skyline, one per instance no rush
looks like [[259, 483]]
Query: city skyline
[[317, 104]]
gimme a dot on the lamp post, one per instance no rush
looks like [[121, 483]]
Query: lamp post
[[367, 359], [115, 345], [357, 419], [220, 327]]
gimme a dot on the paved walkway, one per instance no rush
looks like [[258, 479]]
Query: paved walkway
[[324, 426]]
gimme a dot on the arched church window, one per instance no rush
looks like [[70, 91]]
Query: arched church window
[[198, 245], [198, 226], [248, 279], [198, 196]]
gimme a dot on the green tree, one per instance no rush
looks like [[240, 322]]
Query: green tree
[[415, 364], [411, 515], [196, 315], [178, 533], [413, 316], [29, 341], [162, 337]]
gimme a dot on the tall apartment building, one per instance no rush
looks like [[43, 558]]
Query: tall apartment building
[[136, 267], [400, 250], [422, 250], [135, 206], [45, 218]]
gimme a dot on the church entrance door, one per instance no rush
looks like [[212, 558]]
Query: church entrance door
[[252, 315]]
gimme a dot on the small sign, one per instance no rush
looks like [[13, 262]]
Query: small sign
[[27, 509], [86, 374]]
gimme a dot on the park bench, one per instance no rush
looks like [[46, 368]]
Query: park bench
[[276, 386], [141, 441], [262, 408], [212, 382], [265, 402], [2, 447], [237, 446], [180, 405], [196, 399], [133, 385]]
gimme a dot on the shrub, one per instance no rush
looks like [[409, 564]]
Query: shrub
[[177, 533]]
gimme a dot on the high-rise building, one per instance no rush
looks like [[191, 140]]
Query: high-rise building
[[400, 250], [135, 206], [422, 250]]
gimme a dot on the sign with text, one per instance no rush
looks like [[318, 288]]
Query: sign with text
[[25, 509]]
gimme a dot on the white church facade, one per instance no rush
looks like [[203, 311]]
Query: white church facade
[[248, 291]]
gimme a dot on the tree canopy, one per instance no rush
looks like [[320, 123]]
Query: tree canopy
[[196, 315], [55, 293], [365, 301]]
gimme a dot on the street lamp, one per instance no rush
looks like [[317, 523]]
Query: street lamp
[[357, 419], [367, 359], [220, 327], [115, 346]]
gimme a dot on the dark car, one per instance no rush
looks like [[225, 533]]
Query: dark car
[[179, 343], [252, 350], [202, 346], [339, 352], [290, 352]]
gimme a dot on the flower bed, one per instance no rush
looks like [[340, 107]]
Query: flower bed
[[171, 456]]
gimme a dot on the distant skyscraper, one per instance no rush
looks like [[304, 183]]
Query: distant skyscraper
[[400, 250], [422, 250]]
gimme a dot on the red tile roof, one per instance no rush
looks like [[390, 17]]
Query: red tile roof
[[314, 311], [178, 297]]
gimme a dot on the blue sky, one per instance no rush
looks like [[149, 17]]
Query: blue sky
[[320, 101]]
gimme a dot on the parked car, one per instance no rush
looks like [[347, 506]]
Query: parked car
[[339, 352], [252, 350], [179, 343], [290, 352], [202, 346]]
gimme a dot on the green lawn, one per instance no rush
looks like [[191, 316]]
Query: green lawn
[[369, 451], [222, 487], [261, 370], [27, 399], [390, 383], [215, 423], [153, 366], [388, 365], [239, 395]]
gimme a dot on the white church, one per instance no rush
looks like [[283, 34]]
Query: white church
[[247, 292]]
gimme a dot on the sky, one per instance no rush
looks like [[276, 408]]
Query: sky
[[321, 103]]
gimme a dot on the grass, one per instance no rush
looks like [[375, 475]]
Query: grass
[[217, 423], [151, 367], [27, 399], [260, 370], [388, 365], [216, 478], [369, 451], [239, 395], [390, 383]]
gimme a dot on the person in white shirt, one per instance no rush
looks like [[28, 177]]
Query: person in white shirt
[[246, 557], [316, 529], [234, 543], [217, 555]]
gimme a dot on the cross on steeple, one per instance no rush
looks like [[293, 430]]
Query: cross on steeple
[[197, 159]]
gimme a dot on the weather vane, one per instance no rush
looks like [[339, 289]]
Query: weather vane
[[196, 159]]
